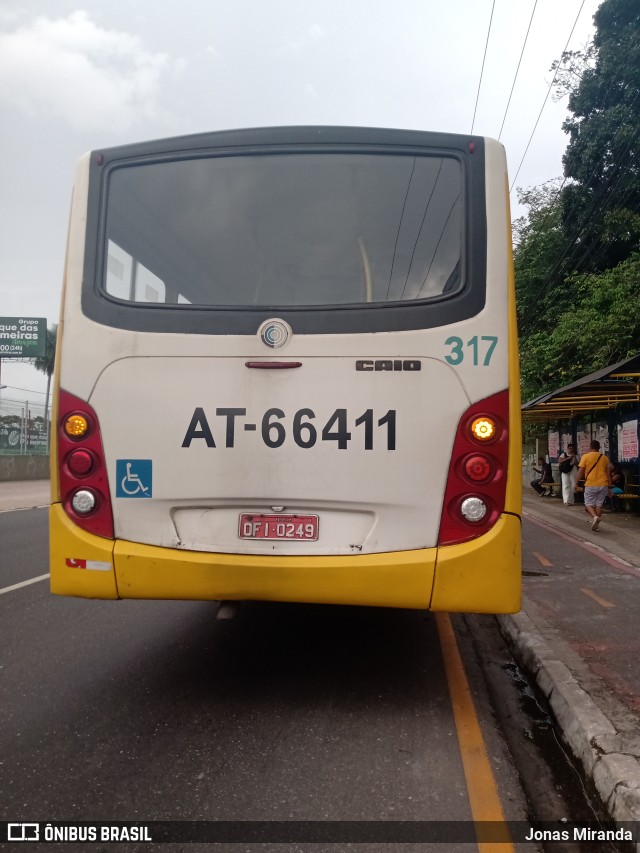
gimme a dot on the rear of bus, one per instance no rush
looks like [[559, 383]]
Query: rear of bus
[[287, 370]]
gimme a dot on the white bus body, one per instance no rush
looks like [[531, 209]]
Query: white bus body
[[248, 433]]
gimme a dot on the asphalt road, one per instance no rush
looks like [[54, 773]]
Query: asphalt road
[[159, 710]]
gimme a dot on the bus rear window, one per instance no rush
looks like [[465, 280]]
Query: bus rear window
[[297, 230]]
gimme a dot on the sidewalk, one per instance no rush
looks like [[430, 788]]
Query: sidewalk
[[584, 653], [24, 494]]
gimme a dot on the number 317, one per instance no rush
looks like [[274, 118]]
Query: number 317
[[457, 354]]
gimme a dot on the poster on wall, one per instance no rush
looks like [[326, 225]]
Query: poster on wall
[[601, 434], [628, 441], [554, 446], [10, 433], [584, 439]]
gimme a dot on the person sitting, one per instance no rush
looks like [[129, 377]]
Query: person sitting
[[618, 482], [545, 478]]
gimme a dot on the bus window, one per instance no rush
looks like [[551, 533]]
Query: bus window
[[119, 272], [126, 278], [148, 287], [291, 231]]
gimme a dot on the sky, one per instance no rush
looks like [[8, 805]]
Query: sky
[[76, 76]]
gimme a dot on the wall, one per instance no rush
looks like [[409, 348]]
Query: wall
[[531, 450], [24, 468]]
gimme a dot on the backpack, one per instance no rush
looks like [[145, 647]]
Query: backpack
[[566, 466]]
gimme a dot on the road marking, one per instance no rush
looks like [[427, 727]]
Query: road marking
[[543, 560], [24, 583], [481, 783], [592, 594], [24, 508], [595, 550]]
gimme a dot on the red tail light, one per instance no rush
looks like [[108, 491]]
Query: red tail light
[[475, 493], [84, 486]]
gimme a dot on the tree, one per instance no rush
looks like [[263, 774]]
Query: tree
[[601, 207], [46, 362], [602, 327], [539, 241], [569, 70], [577, 255]]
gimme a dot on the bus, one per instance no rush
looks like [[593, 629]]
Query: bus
[[287, 371]]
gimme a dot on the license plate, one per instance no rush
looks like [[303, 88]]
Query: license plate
[[285, 527]]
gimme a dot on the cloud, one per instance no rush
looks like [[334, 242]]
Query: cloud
[[303, 40], [74, 70]]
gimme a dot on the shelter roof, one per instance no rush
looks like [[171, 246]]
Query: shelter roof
[[605, 389]]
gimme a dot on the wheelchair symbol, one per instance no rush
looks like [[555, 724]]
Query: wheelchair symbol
[[131, 483], [134, 478]]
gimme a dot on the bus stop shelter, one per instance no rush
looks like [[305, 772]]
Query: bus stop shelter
[[605, 389], [612, 395]]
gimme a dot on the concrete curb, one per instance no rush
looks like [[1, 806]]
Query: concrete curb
[[615, 775]]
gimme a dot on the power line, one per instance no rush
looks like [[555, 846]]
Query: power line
[[596, 250], [27, 390], [486, 45], [585, 184], [546, 97], [32, 404], [435, 251], [609, 187], [572, 241], [424, 216], [518, 68], [619, 199], [395, 247]]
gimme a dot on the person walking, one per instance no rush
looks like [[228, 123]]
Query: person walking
[[568, 466], [595, 469]]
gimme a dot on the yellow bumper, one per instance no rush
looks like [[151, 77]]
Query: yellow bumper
[[92, 567], [483, 575]]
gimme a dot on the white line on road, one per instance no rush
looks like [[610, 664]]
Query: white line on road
[[24, 508], [24, 583]]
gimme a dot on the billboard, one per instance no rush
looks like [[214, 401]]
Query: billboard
[[628, 440], [20, 434], [23, 337]]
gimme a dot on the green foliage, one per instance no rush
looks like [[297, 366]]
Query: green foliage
[[602, 327], [570, 69], [577, 256], [539, 242], [603, 155], [45, 363]]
